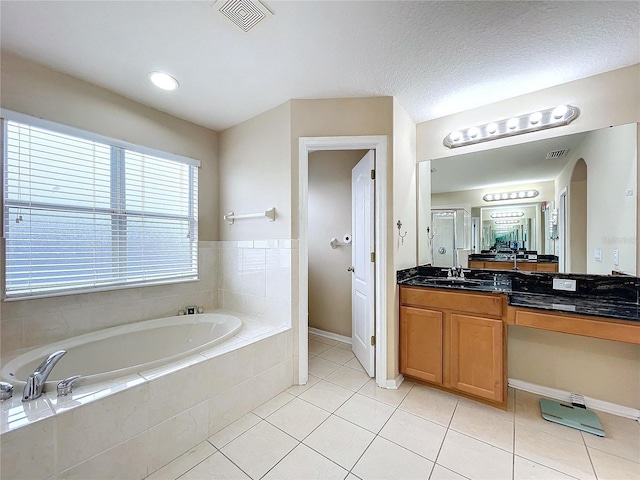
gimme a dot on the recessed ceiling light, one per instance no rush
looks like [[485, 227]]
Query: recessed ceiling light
[[163, 80]]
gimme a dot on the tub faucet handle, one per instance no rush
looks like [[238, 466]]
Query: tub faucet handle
[[6, 391], [65, 387]]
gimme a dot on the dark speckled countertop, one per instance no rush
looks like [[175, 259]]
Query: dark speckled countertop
[[596, 295]]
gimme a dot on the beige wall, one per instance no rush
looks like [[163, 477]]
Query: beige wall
[[38, 91], [32, 89], [255, 174], [611, 98], [330, 217], [611, 158]]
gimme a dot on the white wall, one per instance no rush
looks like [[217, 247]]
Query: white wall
[[330, 217], [611, 98]]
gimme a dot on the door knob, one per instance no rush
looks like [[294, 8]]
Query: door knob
[[350, 269]]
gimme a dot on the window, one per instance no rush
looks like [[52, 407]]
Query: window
[[83, 213]]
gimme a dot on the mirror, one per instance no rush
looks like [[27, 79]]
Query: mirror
[[584, 216]]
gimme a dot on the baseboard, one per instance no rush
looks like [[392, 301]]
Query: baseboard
[[331, 335], [565, 396], [395, 383]]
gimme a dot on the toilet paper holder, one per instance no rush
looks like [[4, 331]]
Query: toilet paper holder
[[346, 240]]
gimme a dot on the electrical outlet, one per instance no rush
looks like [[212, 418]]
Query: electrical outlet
[[616, 257], [597, 254], [564, 284]]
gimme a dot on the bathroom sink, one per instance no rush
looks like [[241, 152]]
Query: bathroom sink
[[455, 281]]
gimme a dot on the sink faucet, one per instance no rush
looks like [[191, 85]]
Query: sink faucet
[[35, 383], [515, 259]]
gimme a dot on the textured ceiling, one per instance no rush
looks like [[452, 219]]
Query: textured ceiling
[[436, 58]]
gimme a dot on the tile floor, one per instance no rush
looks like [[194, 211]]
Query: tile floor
[[340, 425]]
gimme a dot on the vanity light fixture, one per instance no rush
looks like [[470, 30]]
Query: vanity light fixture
[[163, 80], [507, 214], [519, 195], [531, 122], [507, 222]]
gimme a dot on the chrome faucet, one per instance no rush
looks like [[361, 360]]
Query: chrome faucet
[[35, 383]]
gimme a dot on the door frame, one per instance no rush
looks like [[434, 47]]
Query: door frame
[[314, 144], [563, 231]]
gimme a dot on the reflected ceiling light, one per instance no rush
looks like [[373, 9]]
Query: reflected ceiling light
[[163, 80], [530, 122], [494, 197], [507, 222], [507, 214]]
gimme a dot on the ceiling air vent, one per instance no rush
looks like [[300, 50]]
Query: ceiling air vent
[[246, 14], [557, 153]]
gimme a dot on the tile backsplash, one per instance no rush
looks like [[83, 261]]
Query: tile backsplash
[[250, 277]]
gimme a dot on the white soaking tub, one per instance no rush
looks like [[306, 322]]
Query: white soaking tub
[[127, 349]]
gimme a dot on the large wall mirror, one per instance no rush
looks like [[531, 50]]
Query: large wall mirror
[[584, 213]]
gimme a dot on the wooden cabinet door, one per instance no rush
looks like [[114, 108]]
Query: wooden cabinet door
[[421, 344], [477, 363]]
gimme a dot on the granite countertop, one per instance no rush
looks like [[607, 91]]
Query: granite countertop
[[581, 306], [596, 295]]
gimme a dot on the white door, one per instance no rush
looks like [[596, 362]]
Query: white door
[[363, 275]]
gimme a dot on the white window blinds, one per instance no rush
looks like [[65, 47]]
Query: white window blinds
[[80, 214]]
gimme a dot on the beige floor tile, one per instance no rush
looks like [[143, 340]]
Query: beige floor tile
[[326, 395], [319, 367], [386, 395], [184, 462], [610, 467], [483, 426], [325, 340], [316, 348], [345, 346], [524, 469], [298, 418], [304, 463], [216, 466], [474, 459], [339, 440], [622, 437], [298, 389], [414, 433], [386, 460], [505, 415], [365, 412], [337, 355], [355, 364], [430, 403], [233, 431], [348, 378], [528, 414], [441, 473], [553, 452], [257, 450], [270, 406]]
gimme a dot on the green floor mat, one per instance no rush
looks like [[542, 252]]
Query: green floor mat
[[575, 417]]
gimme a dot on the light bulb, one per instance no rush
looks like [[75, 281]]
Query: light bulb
[[534, 118], [473, 132], [455, 136], [163, 80], [492, 128], [512, 123], [559, 112]]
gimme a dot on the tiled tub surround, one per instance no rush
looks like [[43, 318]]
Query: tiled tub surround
[[253, 278], [130, 427], [29, 323]]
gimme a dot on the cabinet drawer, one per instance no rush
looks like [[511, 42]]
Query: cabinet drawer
[[485, 304]]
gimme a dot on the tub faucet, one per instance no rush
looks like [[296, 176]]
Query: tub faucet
[[35, 383]]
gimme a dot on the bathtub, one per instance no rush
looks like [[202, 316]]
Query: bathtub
[[127, 349]]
